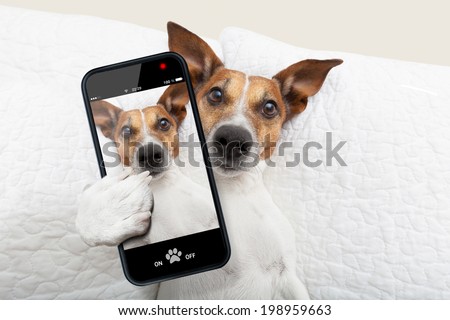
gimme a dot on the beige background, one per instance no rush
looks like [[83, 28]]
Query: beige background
[[394, 29]]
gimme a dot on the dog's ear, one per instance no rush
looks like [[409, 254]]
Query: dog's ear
[[201, 59], [174, 100], [105, 117], [302, 80]]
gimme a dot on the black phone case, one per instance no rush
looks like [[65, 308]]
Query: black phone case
[[223, 238]]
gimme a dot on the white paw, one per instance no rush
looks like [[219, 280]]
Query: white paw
[[115, 208]]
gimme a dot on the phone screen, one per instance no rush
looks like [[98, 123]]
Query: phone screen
[[143, 116]]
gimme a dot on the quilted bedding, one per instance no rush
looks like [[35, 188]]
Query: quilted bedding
[[376, 228], [47, 157]]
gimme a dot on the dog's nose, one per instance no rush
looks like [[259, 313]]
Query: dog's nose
[[233, 142], [152, 156]]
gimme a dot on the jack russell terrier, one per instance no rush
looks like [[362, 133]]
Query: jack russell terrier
[[147, 142], [246, 112]]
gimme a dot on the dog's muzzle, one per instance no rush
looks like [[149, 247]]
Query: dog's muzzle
[[152, 157], [232, 148]]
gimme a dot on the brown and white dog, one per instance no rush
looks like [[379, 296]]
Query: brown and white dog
[[247, 112], [242, 116], [118, 208]]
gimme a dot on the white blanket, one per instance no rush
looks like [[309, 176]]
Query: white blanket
[[378, 228], [46, 152]]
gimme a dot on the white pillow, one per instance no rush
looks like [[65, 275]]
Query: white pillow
[[47, 154], [380, 226]]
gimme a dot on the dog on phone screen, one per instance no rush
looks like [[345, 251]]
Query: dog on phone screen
[[119, 207]]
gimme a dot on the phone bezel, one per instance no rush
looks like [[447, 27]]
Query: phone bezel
[[210, 174]]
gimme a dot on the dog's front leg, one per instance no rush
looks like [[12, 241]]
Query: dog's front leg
[[115, 208]]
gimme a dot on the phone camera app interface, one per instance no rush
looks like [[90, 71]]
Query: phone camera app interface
[[145, 126]]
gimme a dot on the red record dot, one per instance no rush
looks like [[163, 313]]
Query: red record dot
[[162, 66]]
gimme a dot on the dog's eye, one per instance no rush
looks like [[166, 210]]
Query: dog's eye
[[215, 96], [126, 132], [164, 124], [269, 109]]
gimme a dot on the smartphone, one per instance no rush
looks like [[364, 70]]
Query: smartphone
[[143, 114]]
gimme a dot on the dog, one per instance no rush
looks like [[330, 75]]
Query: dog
[[243, 115], [246, 112], [147, 143]]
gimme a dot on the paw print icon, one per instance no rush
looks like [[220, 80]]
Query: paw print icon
[[173, 255]]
